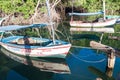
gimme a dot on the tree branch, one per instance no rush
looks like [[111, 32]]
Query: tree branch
[[36, 11], [55, 3]]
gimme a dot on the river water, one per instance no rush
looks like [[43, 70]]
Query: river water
[[84, 64]]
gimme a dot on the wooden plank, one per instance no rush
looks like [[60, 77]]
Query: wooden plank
[[104, 48], [104, 30]]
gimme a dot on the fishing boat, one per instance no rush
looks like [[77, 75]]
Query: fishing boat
[[96, 23], [100, 22], [32, 46]]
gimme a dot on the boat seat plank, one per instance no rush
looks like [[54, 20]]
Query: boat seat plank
[[26, 41], [30, 41]]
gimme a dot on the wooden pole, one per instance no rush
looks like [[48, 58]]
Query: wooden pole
[[99, 78], [101, 37], [111, 60], [50, 20], [104, 10], [111, 52], [110, 64], [104, 48], [109, 71], [72, 11]]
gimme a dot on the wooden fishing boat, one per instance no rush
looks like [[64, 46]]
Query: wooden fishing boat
[[96, 23], [108, 22], [32, 46]]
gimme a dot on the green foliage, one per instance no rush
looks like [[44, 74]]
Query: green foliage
[[25, 7], [112, 6], [43, 9]]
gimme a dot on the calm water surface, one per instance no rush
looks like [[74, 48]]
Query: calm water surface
[[85, 64]]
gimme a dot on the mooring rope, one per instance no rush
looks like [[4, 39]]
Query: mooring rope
[[87, 60]]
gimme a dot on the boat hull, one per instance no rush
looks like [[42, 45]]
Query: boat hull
[[93, 24], [51, 51]]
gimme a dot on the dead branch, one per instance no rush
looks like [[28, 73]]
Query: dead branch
[[55, 3], [36, 11]]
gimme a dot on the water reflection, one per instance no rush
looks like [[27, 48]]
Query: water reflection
[[79, 60], [101, 75], [84, 64], [35, 70], [6, 72]]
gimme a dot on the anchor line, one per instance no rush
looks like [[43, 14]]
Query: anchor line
[[87, 60]]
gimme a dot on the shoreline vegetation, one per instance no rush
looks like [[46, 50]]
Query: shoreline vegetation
[[35, 11]]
